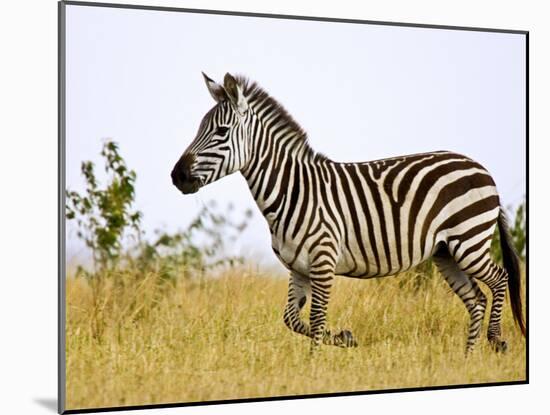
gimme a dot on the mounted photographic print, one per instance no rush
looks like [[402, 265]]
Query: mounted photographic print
[[259, 207]]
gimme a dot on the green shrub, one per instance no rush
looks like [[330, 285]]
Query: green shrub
[[200, 247], [103, 214]]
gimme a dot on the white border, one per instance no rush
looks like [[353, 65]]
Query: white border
[[28, 179]]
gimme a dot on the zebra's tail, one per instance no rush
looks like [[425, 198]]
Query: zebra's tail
[[511, 265]]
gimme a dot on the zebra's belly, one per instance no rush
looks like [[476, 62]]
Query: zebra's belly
[[356, 260], [362, 263]]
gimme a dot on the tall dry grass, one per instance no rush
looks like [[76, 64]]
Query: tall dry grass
[[139, 339]]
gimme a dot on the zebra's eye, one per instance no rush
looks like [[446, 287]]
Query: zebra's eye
[[222, 131]]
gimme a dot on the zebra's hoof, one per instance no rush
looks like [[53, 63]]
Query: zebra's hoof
[[345, 339], [500, 346]]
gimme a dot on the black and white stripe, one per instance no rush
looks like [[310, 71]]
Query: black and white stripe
[[360, 220]]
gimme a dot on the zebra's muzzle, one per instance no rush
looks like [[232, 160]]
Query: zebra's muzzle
[[191, 186], [182, 177], [187, 184]]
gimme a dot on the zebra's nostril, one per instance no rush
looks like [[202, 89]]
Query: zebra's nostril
[[179, 175], [184, 175]]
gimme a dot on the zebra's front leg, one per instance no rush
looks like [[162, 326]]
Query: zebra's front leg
[[299, 289], [321, 284]]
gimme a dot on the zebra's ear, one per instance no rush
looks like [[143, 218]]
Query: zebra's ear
[[235, 94], [216, 90]]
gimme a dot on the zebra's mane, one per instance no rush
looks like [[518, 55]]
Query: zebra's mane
[[256, 94]]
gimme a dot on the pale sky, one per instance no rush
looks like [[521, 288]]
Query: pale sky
[[362, 92]]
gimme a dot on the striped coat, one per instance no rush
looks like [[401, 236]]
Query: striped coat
[[382, 217]]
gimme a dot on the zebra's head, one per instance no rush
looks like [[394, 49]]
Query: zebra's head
[[221, 145]]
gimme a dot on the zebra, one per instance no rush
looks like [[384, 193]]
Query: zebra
[[360, 220]]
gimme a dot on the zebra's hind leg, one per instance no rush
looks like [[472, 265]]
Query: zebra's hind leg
[[299, 289], [469, 292], [496, 279]]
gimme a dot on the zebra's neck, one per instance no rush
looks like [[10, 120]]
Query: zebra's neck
[[278, 150], [281, 162]]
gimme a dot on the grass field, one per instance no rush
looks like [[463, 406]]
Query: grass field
[[134, 340]]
